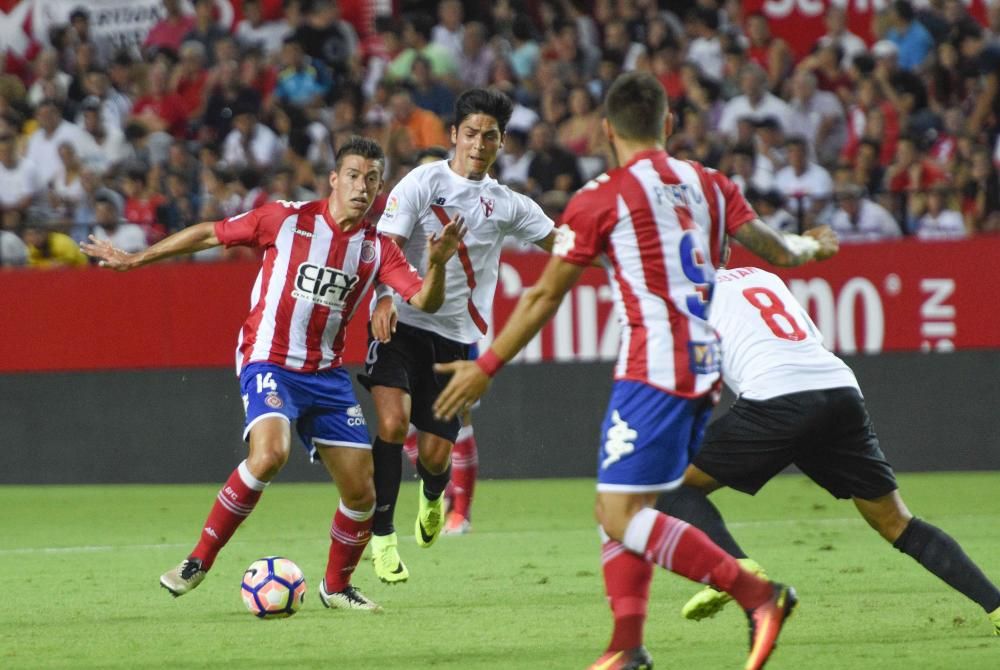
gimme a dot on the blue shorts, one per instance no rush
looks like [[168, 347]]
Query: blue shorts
[[648, 437], [321, 405]]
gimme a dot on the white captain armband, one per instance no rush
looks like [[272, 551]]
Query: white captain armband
[[801, 244]]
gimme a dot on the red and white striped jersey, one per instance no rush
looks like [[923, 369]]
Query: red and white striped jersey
[[770, 346], [659, 224], [310, 281], [422, 203]]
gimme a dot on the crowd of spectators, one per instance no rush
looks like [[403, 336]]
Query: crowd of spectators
[[202, 121]]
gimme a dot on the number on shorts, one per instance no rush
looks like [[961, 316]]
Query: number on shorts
[[372, 353], [770, 310], [266, 381]]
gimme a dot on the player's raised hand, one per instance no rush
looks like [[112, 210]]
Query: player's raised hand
[[383, 321], [443, 246], [829, 244], [468, 383], [108, 255]]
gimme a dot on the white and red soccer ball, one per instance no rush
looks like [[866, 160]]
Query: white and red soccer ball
[[273, 587]]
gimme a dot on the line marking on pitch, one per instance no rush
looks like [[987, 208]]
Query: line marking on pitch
[[88, 549]]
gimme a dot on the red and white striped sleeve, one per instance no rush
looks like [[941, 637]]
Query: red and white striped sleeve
[[256, 228], [395, 271], [580, 238]]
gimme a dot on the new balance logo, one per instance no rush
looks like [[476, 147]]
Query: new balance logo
[[620, 440]]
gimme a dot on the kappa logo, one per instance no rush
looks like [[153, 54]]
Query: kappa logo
[[487, 204], [324, 286], [302, 233], [620, 440], [367, 251]]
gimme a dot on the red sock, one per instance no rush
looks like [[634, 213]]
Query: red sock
[[685, 550], [627, 577], [234, 503], [464, 466], [410, 446], [349, 535]]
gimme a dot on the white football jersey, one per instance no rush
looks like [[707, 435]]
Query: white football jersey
[[421, 204], [770, 346]]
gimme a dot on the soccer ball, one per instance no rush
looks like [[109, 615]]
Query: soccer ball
[[273, 587]]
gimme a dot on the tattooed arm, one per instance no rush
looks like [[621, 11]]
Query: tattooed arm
[[787, 250]]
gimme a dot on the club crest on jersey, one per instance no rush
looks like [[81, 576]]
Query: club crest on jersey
[[273, 400], [487, 204], [704, 357], [324, 286], [367, 251], [439, 201]]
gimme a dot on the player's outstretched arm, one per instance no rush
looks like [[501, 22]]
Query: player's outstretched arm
[[194, 238], [538, 304], [787, 250], [440, 249]]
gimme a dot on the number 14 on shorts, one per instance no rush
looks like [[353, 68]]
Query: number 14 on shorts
[[265, 381]]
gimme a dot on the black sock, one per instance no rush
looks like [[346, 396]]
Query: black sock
[[388, 461], [940, 554], [690, 504], [434, 484]]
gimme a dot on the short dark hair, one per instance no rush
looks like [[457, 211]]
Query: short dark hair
[[636, 107], [365, 147], [440, 153], [797, 141], [484, 101]]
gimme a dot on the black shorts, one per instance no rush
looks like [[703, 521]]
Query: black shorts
[[407, 362], [827, 434]]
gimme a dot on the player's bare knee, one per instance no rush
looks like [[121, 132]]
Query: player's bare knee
[[393, 428], [435, 452], [265, 461], [360, 499], [435, 460]]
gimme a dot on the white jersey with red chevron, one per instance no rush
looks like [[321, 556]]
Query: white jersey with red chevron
[[422, 203], [770, 346], [659, 224], [312, 276]]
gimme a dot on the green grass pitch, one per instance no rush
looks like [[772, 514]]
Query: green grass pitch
[[80, 566]]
